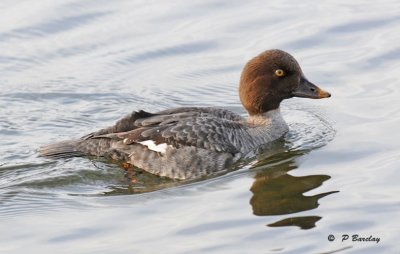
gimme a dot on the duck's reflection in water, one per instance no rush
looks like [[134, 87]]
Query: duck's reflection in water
[[275, 192]]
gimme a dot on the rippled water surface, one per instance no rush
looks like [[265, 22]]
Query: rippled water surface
[[70, 67]]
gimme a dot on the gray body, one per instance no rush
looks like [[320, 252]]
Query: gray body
[[188, 142]]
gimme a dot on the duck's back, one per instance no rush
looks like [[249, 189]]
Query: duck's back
[[178, 143]]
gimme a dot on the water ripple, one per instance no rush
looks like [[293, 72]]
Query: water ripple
[[182, 49], [52, 27]]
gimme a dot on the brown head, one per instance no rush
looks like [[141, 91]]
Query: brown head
[[271, 77]]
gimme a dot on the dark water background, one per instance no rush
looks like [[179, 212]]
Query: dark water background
[[70, 67]]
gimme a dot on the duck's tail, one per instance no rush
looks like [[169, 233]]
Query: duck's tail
[[63, 149], [100, 147]]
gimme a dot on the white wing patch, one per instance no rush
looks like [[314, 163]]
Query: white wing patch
[[160, 148]]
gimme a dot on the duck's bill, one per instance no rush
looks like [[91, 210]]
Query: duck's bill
[[306, 89]]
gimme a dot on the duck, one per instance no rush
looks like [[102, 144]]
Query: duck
[[194, 142]]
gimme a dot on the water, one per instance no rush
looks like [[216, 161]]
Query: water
[[70, 67]]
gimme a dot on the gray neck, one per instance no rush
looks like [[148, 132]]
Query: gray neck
[[270, 117], [266, 127]]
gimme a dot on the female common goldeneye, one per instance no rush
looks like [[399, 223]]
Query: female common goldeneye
[[191, 142]]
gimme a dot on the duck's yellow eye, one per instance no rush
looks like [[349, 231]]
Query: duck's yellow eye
[[279, 73]]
